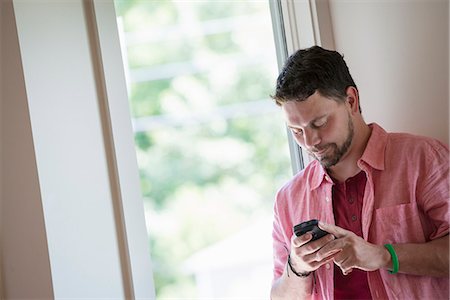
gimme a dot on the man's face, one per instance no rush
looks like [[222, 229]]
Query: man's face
[[322, 126]]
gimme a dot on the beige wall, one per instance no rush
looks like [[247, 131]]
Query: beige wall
[[398, 52], [25, 261]]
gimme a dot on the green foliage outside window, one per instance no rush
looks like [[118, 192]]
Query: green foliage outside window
[[208, 164]]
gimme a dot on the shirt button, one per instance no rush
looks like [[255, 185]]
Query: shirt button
[[351, 200], [354, 218], [327, 199], [327, 266]]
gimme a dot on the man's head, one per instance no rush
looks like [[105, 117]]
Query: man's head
[[310, 70], [320, 103]]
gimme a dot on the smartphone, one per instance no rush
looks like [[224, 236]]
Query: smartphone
[[310, 226]]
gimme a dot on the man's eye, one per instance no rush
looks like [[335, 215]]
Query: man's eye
[[296, 131], [320, 123]]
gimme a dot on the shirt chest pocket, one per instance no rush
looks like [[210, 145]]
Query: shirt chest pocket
[[399, 224]]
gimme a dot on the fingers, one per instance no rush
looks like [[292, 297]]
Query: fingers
[[309, 246], [302, 246], [332, 247], [338, 232], [301, 240], [337, 249], [343, 247], [304, 251], [310, 263], [344, 263], [317, 264], [345, 270]]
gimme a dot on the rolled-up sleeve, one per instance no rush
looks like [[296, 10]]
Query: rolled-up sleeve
[[433, 189]]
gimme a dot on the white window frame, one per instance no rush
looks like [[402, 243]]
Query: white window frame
[[299, 24]]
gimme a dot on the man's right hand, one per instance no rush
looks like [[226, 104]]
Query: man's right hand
[[303, 260], [303, 254]]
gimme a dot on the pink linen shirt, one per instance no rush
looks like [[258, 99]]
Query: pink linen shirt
[[406, 200]]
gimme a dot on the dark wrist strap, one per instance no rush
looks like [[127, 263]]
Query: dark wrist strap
[[295, 272]]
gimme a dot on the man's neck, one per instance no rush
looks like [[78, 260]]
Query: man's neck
[[348, 166]]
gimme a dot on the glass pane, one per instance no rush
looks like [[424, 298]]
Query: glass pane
[[211, 145]]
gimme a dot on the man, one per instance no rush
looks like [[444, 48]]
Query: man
[[382, 197]]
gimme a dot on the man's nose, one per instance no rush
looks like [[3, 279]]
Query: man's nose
[[311, 138]]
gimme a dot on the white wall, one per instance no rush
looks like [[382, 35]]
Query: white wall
[[70, 150], [72, 217], [397, 52]]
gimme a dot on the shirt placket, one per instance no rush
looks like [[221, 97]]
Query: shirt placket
[[328, 287]]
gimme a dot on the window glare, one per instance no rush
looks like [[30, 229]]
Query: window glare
[[211, 145]]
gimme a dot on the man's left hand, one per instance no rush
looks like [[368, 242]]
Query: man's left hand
[[355, 253]]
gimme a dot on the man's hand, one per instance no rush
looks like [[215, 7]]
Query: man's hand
[[354, 251], [303, 259], [304, 255]]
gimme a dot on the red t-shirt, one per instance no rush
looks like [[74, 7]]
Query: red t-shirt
[[347, 207]]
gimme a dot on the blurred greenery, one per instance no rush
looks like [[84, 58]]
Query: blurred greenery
[[200, 169], [144, 97], [227, 9], [144, 13]]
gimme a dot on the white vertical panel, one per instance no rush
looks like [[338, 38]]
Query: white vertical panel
[[136, 238], [298, 24], [69, 147]]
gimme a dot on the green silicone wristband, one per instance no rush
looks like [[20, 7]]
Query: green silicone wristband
[[395, 264]]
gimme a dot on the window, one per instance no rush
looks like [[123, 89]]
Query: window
[[211, 145]]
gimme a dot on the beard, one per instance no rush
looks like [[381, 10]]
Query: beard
[[337, 152]]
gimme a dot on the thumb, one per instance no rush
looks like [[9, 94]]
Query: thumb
[[338, 232]]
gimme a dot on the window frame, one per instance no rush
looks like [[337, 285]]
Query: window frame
[[299, 24]]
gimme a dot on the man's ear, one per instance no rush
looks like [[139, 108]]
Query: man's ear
[[353, 99]]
